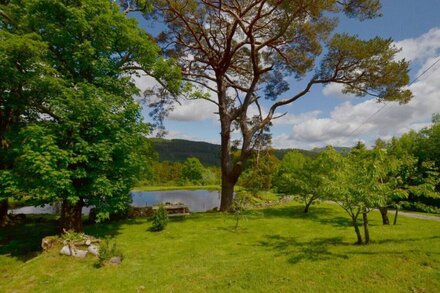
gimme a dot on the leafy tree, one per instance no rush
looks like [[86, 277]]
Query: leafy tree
[[211, 176], [193, 170], [417, 172], [91, 156], [166, 173], [90, 126], [307, 178], [259, 172], [242, 52], [291, 167], [26, 82], [357, 186]]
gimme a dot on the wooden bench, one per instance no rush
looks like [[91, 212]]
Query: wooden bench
[[175, 210]]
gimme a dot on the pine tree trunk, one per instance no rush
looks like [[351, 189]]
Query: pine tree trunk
[[71, 216], [3, 212], [384, 213], [227, 194], [395, 216], [358, 232], [228, 180], [366, 231]]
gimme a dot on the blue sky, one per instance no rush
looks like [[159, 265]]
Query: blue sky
[[325, 116]]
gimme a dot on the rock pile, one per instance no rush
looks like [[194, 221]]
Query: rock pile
[[77, 247]]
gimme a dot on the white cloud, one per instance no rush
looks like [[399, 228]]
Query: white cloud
[[421, 48], [193, 110], [290, 119], [144, 82], [187, 110], [335, 90]]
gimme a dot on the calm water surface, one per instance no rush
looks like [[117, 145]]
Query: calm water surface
[[196, 200]]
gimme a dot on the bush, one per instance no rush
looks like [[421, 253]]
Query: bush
[[72, 236], [160, 219], [107, 250]]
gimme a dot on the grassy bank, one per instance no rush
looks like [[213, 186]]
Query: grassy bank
[[278, 249]]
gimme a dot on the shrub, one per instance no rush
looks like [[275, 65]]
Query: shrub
[[107, 250], [160, 219], [71, 236]]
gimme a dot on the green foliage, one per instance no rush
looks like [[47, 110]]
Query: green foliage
[[66, 74], [107, 250], [192, 170], [71, 236], [179, 150], [290, 169], [307, 178], [160, 219], [259, 172], [361, 60], [417, 171]]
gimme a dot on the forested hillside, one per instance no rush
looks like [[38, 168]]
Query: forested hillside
[[178, 150]]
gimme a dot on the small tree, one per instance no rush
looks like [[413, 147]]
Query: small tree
[[160, 219], [307, 178], [356, 187]]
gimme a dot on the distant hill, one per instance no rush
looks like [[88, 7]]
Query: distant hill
[[178, 150], [341, 150]]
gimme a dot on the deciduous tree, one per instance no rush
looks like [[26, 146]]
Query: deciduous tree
[[90, 126]]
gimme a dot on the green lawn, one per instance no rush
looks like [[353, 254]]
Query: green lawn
[[276, 250]]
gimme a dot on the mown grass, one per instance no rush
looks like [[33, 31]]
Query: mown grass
[[277, 249]]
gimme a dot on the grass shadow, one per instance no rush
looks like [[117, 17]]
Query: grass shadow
[[337, 221], [23, 241], [109, 228], [232, 229], [400, 240], [320, 214], [316, 250]]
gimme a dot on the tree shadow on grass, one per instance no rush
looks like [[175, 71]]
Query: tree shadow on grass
[[108, 228], [323, 215], [316, 250], [319, 249], [23, 241]]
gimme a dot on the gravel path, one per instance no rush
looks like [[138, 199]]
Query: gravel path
[[406, 214], [417, 216]]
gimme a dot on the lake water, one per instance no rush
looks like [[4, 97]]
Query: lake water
[[196, 200]]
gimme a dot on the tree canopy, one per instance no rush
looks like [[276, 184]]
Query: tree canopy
[[81, 136]]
